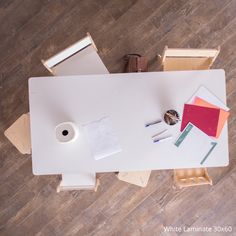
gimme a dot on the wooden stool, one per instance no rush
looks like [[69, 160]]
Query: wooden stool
[[81, 58], [19, 134], [139, 178], [191, 177], [174, 59], [85, 181]]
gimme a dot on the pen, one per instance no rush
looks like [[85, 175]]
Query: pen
[[153, 123], [173, 117], [162, 132], [163, 139]]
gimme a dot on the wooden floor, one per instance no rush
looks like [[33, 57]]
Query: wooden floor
[[32, 30]]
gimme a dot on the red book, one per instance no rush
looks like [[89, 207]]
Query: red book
[[205, 118]]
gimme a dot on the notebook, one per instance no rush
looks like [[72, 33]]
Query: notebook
[[222, 117], [102, 138], [205, 118]]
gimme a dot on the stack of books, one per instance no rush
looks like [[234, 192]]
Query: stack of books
[[204, 117], [206, 112]]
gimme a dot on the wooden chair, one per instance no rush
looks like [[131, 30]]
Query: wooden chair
[[139, 178], [80, 58], [174, 59], [19, 134], [191, 177], [82, 181]]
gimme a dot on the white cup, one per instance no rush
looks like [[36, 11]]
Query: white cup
[[66, 132]]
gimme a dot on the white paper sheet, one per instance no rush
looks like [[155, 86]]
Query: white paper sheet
[[192, 142], [102, 138], [208, 96]]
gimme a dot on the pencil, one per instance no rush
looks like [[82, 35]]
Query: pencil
[[153, 123], [162, 132], [161, 140], [172, 116]]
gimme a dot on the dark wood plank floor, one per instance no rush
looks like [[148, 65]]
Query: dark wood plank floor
[[32, 30]]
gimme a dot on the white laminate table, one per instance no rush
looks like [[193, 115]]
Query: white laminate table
[[130, 101]]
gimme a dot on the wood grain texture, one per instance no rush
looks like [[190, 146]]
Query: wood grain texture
[[33, 30]]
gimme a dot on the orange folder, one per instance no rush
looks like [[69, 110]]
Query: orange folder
[[222, 117]]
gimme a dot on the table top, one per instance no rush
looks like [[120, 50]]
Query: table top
[[130, 100]]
